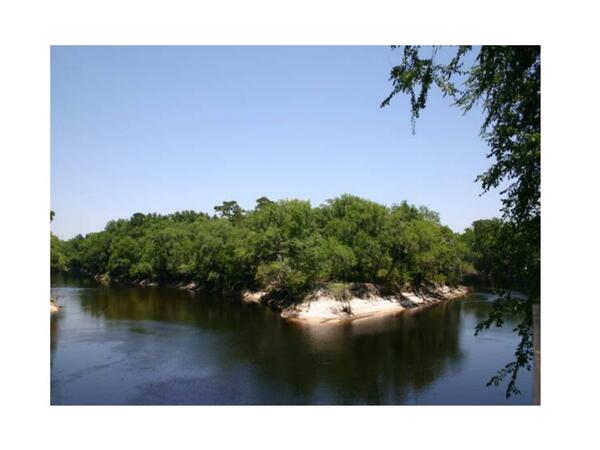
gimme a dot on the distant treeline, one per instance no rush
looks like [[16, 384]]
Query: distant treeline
[[290, 247]]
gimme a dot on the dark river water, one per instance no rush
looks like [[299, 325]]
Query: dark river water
[[119, 345]]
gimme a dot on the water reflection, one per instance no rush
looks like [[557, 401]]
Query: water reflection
[[181, 347]]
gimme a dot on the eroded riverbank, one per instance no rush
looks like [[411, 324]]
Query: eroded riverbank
[[337, 303]]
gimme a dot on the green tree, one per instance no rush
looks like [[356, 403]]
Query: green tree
[[358, 224], [263, 202], [287, 247], [505, 82], [122, 256], [58, 259], [230, 210], [94, 253]]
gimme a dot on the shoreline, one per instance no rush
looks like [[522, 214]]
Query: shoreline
[[54, 307], [358, 301], [335, 303]]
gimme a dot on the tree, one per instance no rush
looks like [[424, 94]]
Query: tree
[[137, 219], [505, 82], [94, 253], [487, 240], [263, 202], [358, 224], [230, 210], [122, 256], [59, 261]]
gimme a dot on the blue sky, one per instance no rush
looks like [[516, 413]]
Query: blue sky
[[162, 129]]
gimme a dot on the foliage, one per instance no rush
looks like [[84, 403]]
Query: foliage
[[524, 353], [58, 259], [505, 255], [505, 82], [288, 247], [230, 210]]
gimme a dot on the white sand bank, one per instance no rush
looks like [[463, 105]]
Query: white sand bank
[[322, 307]]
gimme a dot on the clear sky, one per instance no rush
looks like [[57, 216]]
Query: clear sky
[[162, 129]]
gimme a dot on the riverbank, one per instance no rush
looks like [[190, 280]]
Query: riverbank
[[54, 307], [342, 302], [335, 302]]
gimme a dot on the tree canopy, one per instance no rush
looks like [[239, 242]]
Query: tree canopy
[[286, 246]]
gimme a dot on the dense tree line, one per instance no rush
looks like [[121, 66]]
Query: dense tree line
[[505, 255], [286, 246]]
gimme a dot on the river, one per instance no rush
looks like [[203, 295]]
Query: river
[[129, 345]]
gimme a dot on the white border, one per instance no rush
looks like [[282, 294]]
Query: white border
[[570, 244]]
